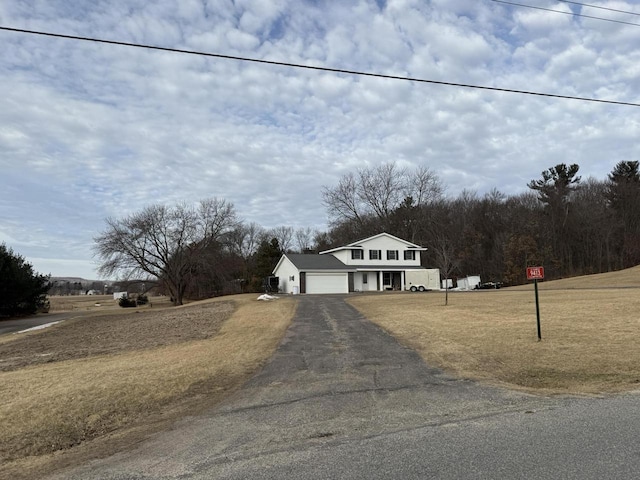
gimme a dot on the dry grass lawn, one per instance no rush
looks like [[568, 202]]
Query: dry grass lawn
[[629, 278], [114, 375], [188, 359], [94, 303], [590, 333]]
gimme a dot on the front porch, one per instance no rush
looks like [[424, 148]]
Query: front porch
[[378, 280]]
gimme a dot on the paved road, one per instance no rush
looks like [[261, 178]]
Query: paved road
[[342, 399], [16, 325]]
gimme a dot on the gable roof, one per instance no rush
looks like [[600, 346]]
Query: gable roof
[[358, 243], [305, 262]]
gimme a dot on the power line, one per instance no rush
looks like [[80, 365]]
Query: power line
[[567, 13], [317, 68], [600, 8]]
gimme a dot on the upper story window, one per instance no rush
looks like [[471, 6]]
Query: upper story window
[[375, 254], [357, 255], [392, 255], [409, 254]]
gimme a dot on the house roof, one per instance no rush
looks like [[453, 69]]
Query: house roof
[[317, 262], [356, 245]]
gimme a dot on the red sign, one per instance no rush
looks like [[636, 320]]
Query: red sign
[[535, 273]]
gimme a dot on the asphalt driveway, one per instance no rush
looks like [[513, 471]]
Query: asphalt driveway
[[342, 399]]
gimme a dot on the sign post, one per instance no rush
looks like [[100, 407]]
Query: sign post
[[535, 274]]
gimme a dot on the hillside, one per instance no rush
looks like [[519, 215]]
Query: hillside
[[73, 280], [629, 278]]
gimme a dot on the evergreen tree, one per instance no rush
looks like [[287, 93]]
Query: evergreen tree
[[555, 191], [22, 291], [267, 256]]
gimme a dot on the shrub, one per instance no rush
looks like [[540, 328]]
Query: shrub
[[124, 302], [142, 299]]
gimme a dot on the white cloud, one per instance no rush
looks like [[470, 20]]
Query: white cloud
[[92, 130]]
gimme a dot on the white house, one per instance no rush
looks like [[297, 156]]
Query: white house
[[375, 263]]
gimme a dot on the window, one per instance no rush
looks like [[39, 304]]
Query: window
[[392, 254], [375, 254], [365, 278], [357, 255], [409, 255], [292, 278]]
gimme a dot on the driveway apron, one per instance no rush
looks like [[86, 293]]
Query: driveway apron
[[336, 378]]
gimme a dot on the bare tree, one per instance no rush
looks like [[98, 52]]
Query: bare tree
[[304, 238], [379, 193], [423, 186], [163, 244], [284, 235], [623, 196], [444, 252], [381, 189], [344, 202], [245, 239]]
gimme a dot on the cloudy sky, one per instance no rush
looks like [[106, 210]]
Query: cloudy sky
[[90, 130]]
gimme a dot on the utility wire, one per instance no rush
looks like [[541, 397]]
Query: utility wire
[[599, 7], [317, 68], [567, 13]]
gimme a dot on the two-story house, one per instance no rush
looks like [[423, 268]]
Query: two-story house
[[380, 262]]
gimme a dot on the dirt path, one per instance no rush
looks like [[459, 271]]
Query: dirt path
[[336, 378]]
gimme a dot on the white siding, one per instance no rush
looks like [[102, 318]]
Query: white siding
[[358, 281], [382, 243], [284, 272], [344, 256]]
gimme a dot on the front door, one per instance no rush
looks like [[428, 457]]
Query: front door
[[396, 280], [365, 281], [386, 280]]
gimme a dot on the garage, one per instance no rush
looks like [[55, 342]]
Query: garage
[[326, 282]]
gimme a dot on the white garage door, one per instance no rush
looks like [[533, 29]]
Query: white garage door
[[327, 283]]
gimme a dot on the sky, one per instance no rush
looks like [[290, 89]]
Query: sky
[[90, 131]]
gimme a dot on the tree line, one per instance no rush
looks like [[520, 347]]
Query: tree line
[[570, 226]]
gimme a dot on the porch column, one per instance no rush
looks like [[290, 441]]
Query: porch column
[[380, 285], [402, 281]]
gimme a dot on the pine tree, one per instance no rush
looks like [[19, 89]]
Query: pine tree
[[22, 291]]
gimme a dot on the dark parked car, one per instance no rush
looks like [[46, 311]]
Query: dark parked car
[[488, 286]]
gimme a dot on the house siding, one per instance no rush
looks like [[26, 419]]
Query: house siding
[[382, 243], [284, 272], [336, 271]]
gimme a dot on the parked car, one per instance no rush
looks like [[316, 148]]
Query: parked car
[[488, 286]]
